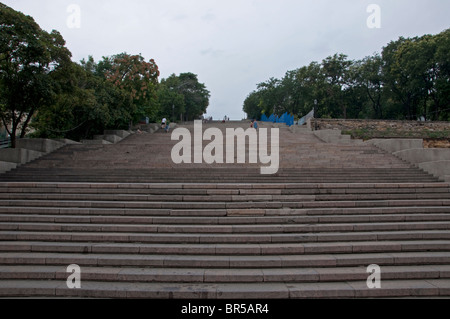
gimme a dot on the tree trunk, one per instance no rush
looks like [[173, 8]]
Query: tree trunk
[[436, 113], [25, 125], [13, 139], [13, 133]]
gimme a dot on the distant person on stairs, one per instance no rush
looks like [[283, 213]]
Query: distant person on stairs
[[167, 128]]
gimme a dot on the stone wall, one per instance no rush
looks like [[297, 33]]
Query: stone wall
[[434, 134]]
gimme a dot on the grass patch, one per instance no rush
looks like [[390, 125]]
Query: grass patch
[[368, 134]]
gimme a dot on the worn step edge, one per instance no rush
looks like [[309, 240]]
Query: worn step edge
[[225, 229], [391, 289], [243, 262], [228, 249], [198, 275]]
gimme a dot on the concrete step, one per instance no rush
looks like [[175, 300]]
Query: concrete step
[[213, 276], [191, 177], [251, 170], [96, 142], [189, 213], [194, 176], [118, 192], [234, 169], [233, 208], [152, 187], [226, 262], [209, 221], [220, 238], [228, 249], [263, 196], [142, 227], [7, 166], [390, 289], [223, 229], [143, 179], [113, 139], [121, 133]]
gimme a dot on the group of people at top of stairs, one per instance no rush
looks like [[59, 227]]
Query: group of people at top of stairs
[[165, 125]]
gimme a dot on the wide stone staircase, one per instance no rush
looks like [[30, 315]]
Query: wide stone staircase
[[140, 226]]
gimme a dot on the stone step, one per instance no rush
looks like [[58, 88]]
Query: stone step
[[96, 142], [142, 227], [189, 213], [118, 192], [143, 179], [354, 178], [229, 249], [200, 276], [224, 229], [263, 196], [207, 185], [77, 164], [202, 187], [113, 139], [225, 262], [239, 171], [173, 197], [390, 289], [237, 206], [195, 177], [184, 238], [209, 221]]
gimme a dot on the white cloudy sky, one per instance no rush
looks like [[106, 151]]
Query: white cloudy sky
[[234, 44]]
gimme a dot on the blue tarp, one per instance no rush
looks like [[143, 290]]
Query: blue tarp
[[286, 118]]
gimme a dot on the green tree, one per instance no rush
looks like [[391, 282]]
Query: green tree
[[84, 105], [311, 86], [182, 97], [272, 96], [367, 75], [410, 79], [138, 78], [399, 79], [59, 116], [336, 71], [171, 101], [416, 75], [440, 71], [28, 57], [252, 106], [196, 96]]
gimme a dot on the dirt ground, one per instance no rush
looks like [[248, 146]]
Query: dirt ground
[[436, 143]]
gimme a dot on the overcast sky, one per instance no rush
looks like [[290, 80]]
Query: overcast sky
[[232, 45]]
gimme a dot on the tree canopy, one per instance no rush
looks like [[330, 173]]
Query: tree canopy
[[29, 57], [40, 87], [409, 80], [183, 97]]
